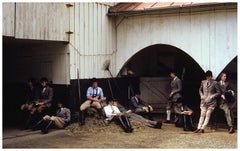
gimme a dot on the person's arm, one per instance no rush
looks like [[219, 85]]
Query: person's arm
[[176, 110], [88, 95], [217, 91], [201, 91], [135, 104], [179, 87], [101, 94], [68, 115]]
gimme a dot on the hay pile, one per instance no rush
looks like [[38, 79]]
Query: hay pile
[[96, 125]]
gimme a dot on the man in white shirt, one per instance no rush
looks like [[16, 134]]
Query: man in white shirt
[[94, 97], [112, 113]]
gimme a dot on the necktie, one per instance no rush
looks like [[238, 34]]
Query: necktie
[[43, 90], [208, 83], [112, 109]]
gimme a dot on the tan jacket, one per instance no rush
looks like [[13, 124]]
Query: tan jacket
[[209, 93]]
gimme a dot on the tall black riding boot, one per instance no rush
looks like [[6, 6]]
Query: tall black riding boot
[[45, 130], [81, 118], [38, 125], [100, 113], [28, 122], [128, 124], [122, 123]]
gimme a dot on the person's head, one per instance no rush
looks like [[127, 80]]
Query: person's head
[[179, 102], [137, 94], [110, 101], [94, 83], [59, 104], [31, 82], [44, 81], [208, 75], [115, 102], [223, 76], [173, 74]]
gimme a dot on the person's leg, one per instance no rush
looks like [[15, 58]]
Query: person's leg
[[184, 117], [122, 123], [208, 115], [83, 107], [227, 112], [202, 118], [128, 123], [45, 129], [99, 108], [191, 124], [168, 111], [57, 122]]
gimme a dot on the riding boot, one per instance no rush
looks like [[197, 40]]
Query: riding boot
[[45, 130], [100, 114], [81, 118], [28, 122], [38, 124], [125, 128], [128, 124]]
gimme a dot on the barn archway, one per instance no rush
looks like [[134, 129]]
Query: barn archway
[[152, 65], [231, 71]]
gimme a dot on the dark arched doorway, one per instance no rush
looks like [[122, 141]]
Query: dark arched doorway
[[152, 65], [231, 71]]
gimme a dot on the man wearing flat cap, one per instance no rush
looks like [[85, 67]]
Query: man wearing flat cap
[[183, 116]]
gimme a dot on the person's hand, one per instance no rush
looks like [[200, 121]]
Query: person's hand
[[118, 114], [170, 95], [39, 103], [146, 109], [129, 111], [95, 99], [151, 109], [223, 97]]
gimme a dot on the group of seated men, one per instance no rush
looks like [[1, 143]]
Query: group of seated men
[[36, 111], [115, 111]]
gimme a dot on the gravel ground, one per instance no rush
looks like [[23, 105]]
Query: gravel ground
[[95, 134]]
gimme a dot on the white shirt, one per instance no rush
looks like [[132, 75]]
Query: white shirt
[[111, 110]]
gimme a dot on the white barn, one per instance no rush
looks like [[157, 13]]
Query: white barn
[[141, 40]]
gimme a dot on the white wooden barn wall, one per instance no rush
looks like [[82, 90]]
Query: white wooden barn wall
[[8, 21], [93, 41], [210, 38]]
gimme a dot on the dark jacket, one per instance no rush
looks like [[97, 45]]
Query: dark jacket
[[136, 103], [46, 96], [223, 89], [31, 94]]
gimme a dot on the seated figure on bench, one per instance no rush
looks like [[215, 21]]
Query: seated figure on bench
[[94, 97], [61, 120]]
